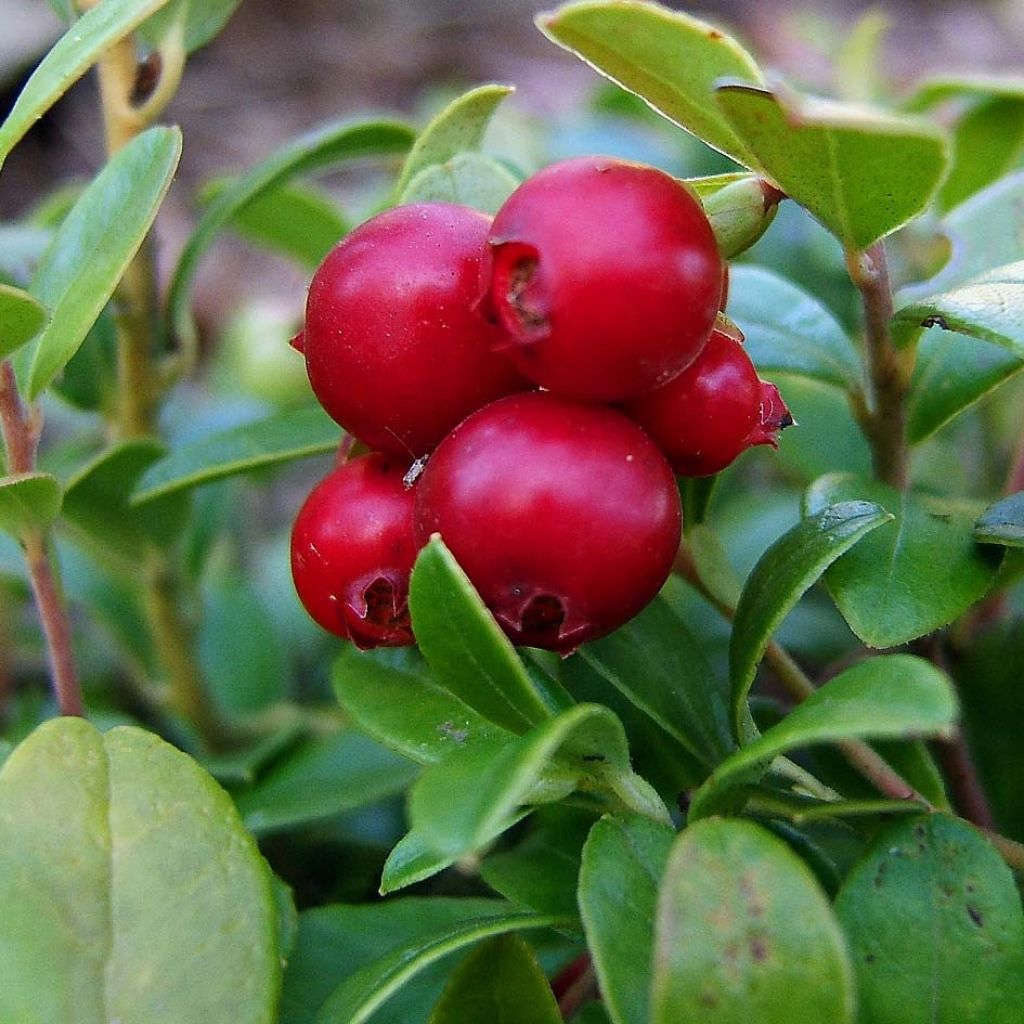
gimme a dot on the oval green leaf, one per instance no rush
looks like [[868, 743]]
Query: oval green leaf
[[623, 863], [28, 502], [667, 58], [198, 21], [21, 317], [499, 981], [280, 438], [466, 650], [913, 574], [94, 244], [789, 331], [745, 933], [782, 576], [459, 128], [893, 696], [934, 923], [1003, 522], [71, 56], [469, 179], [119, 853], [861, 173]]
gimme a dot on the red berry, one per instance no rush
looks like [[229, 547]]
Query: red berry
[[605, 277], [353, 550], [565, 516], [395, 350], [715, 409]]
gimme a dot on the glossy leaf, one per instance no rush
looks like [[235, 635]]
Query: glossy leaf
[[860, 172], [356, 999], [316, 151], [744, 933], [411, 860], [987, 143], [789, 331], [28, 501], [499, 981], [94, 245], [198, 21], [280, 438], [469, 179], [460, 804], [889, 697], [623, 863], [934, 923], [669, 59], [70, 57], [296, 220], [119, 853], [406, 711], [661, 667], [323, 776], [96, 503], [21, 317], [1003, 522], [989, 307], [459, 128], [466, 650], [782, 576], [913, 574]]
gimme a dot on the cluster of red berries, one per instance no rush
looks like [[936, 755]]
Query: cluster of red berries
[[556, 365]]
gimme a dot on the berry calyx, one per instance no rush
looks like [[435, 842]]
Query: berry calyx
[[714, 410], [564, 516], [352, 550], [395, 349], [604, 277]]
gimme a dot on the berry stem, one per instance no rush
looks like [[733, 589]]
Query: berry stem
[[884, 419], [20, 429]]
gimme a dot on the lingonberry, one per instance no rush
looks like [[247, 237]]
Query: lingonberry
[[715, 409], [604, 276], [352, 551], [395, 350], [565, 516]]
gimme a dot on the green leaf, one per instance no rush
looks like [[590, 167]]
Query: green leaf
[[94, 245], [667, 58], [934, 924], [459, 805], [860, 172], [464, 646], [356, 999], [913, 574], [499, 981], [316, 151], [893, 696], [739, 207], [411, 860], [987, 143], [21, 317], [744, 933], [789, 331], [321, 777], [336, 941], [69, 59], [989, 307], [406, 711], [1003, 522], [280, 438], [943, 87], [198, 21], [120, 855], [470, 179], [459, 128], [296, 220], [96, 503], [623, 862], [782, 576], [661, 667], [951, 374], [28, 501]]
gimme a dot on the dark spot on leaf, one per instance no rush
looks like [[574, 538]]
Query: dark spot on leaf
[[714, 35], [758, 949], [919, 831], [594, 757], [975, 915], [708, 998], [870, 958]]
